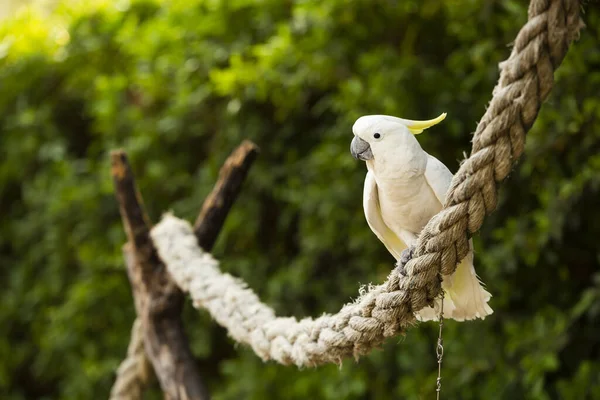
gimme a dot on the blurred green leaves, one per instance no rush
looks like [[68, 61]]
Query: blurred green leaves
[[179, 84]]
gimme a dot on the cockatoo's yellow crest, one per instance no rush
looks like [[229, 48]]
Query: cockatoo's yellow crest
[[416, 127]]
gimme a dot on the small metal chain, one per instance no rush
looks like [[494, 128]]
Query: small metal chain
[[440, 348]]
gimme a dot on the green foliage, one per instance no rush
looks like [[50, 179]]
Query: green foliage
[[179, 84]]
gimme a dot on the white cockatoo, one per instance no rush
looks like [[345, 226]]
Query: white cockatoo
[[404, 188]]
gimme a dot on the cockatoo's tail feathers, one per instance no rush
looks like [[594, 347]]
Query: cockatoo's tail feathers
[[465, 298]]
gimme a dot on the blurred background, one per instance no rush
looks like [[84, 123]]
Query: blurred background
[[179, 84]]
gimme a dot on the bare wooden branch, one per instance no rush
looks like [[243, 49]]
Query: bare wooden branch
[[158, 301], [219, 201], [135, 220]]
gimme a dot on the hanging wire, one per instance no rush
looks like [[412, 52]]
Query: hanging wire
[[439, 350]]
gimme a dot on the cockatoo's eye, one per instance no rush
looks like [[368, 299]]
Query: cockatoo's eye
[[376, 135]]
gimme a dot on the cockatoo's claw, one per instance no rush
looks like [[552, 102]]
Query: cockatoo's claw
[[405, 257]]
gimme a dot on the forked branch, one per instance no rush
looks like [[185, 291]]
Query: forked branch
[[158, 300]]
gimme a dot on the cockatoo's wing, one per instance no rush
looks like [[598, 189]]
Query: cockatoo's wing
[[438, 176], [373, 214]]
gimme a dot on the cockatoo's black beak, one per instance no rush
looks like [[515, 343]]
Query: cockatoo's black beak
[[360, 149]]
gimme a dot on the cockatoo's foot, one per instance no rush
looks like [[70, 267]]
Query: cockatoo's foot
[[405, 257]]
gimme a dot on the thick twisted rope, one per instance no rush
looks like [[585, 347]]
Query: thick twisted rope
[[526, 79], [134, 372], [329, 338]]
